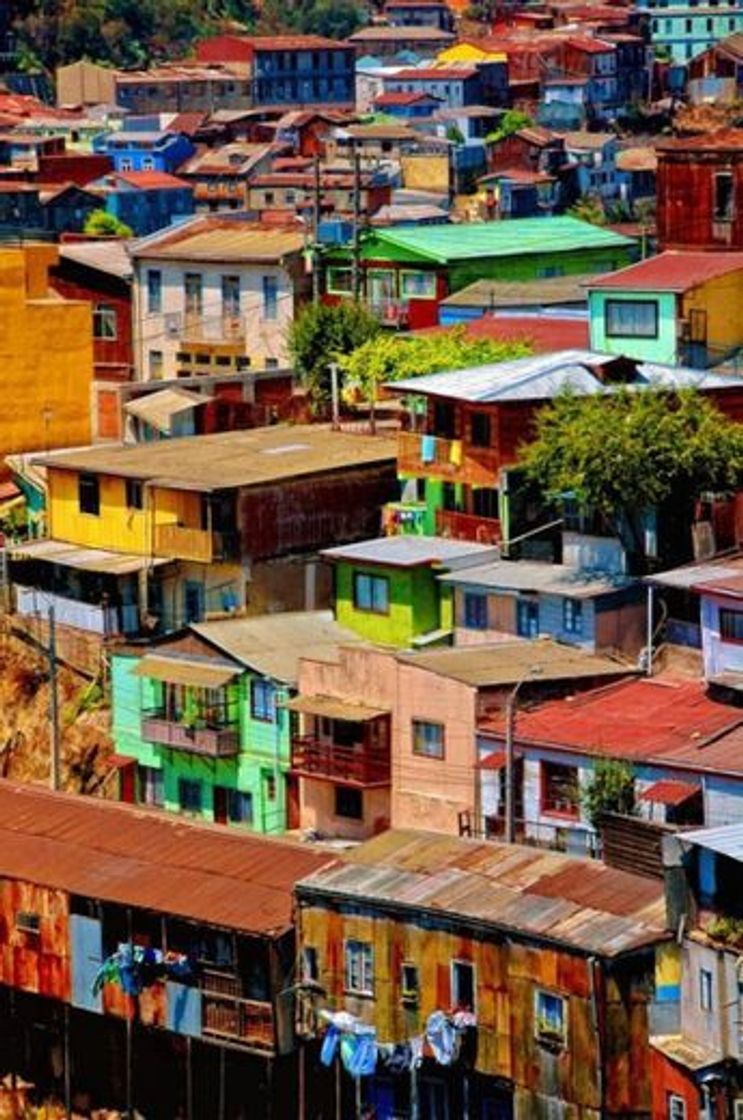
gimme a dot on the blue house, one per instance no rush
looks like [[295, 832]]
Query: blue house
[[407, 106], [139, 150], [146, 201], [483, 84]]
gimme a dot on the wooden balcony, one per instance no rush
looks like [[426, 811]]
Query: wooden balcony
[[212, 742], [468, 527], [181, 543], [425, 456], [353, 766], [245, 1021]]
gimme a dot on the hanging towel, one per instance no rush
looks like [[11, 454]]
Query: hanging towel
[[359, 1053], [416, 1052], [455, 453], [428, 449], [441, 1037], [329, 1046]]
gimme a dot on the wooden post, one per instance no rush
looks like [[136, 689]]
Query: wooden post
[[129, 1067], [67, 1071], [222, 1087], [414, 1110], [189, 1079], [338, 1094]]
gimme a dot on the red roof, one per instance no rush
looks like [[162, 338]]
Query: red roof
[[672, 271], [668, 721], [151, 179], [725, 139], [433, 73], [496, 760], [543, 334], [669, 792], [589, 45], [235, 48], [402, 98]]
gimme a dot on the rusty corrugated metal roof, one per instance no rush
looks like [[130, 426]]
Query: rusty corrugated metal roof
[[575, 902], [134, 857]]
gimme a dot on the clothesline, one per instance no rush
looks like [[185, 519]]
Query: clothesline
[[136, 967], [360, 1052]]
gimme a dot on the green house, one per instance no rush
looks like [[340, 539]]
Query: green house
[[200, 722], [386, 590]]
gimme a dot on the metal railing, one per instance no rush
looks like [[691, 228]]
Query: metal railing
[[574, 839], [314, 758], [468, 527], [216, 740]]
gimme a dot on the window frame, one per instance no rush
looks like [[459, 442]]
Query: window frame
[[425, 751], [375, 581], [729, 213], [86, 479], [555, 806], [105, 313], [150, 779], [339, 792], [134, 493], [476, 621], [481, 418], [557, 1038], [572, 616], [675, 1107], [331, 287], [706, 990], [269, 302], [612, 332], [725, 616], [417, 274], [460, 963], [364, 967], [194, 784], [258, 711], [409, 993]]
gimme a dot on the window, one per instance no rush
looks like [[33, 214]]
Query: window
[[270, 297], [550, 1020], [559, 789], [340, 281], [409, 983], [480, 429], [572, 616], [89, 494], [151, 791], [418, 285], [475, 611], [230, 297], [731, 625], [310, 965], [676, 1109], [527, 618], [27, 922], [463, 985], [349, 803], [262, 701], [371, 593], [724, 197], [269, 786], [443, 419], [148, 163], [155, 365], [359, 968], [104, 321], [239, 806], [428, 739], [193, 294], [485, 503], [631, 318], [134, 494], [449, 496], [189, 795], [705, 989], [738, 1109]]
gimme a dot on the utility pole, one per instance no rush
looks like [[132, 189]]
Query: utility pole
[[355, 269], [316, 205], [54, 775]]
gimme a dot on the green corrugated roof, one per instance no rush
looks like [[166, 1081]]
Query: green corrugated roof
[[519, 236]]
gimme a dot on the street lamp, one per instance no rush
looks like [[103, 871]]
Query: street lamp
[[531, 672]]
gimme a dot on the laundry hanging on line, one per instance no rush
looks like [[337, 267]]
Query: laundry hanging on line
[[360, 1052], [136, 967]]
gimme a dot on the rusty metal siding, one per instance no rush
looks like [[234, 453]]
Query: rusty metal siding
[[34, 961]]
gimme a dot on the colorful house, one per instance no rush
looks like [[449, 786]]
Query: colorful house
[[407, 272], [146, 201], [200, 721], [387, 590], [682, 30], [484, 83], [136, 149], [708, 168], [524, 981], [673, 308]]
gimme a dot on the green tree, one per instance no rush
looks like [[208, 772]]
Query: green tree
[[395, 357], [610, 789], [512, 121], [335, 18], [621, 453], [590, 208], [320, 335], [100, 223]]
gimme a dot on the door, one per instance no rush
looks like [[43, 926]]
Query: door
[[292, 801], [193, 602], [221, 813], [381, 290], [87, 956]]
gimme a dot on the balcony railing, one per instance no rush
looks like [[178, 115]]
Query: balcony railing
[[468, 527], [242, 1020], [433, 457], [219, 741], [358, 766], [181, 543]]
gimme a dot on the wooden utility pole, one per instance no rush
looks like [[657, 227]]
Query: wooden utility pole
[[54, 767], [355, 263], [316, 211]]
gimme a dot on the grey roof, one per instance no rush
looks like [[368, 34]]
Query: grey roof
[[110, 256], [520, 293], [727, 840], [543, 376], [272, 644], [505, 663], [539, 894], [412, 551], [692, 575], [528, 575], [412, 212]]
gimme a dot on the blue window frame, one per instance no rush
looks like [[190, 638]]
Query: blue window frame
[[527, 620], [240, 806], [263, 700], [371, 593], [189, 795], [475, 611], [572, 616], [270, 297]]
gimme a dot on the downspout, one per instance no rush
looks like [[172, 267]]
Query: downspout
[[598, 1027], [649, 631]]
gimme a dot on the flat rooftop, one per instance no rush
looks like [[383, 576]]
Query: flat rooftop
[[412, 552]]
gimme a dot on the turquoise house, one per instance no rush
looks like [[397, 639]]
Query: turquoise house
[[199, 719]]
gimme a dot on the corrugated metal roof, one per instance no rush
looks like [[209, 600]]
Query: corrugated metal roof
[[531, 575], [84, 559], [118, 853], [411, 551], [690, 576], [671, 271], [158, 409], [726, 839], [521, 293], [574, 902], [687, 1052], [544, 376], [217, 240], [518, 237], [232, 459], [404, 34], [506, 662], [110, 256], [180, 670], [273, 644], [670, 792], [330, 707]]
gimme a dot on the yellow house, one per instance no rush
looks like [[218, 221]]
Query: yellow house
[[468, 52], [46, 356]]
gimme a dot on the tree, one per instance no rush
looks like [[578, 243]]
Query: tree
[[622, 453], [396, 357], [320, 335], [590, 209], [610, 789], [100, 223], [336, 19], [512, 121]]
